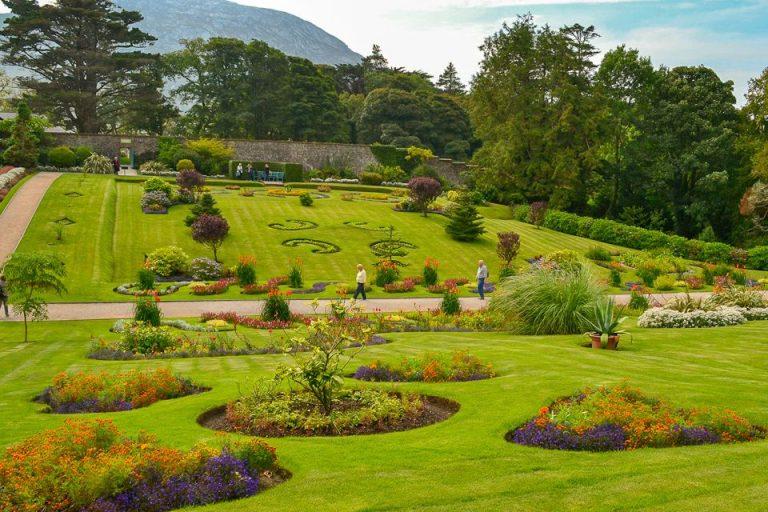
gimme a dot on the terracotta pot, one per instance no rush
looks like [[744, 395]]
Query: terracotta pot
[[613, 342], [597, 341]]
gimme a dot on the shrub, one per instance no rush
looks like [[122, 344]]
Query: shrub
[[205, 205], [665, 283], [538, 213], [694, 283], [598, 253], [295, 277], [156, 184], [146, 279], [430, 272], [565, 259], [155, 198], [657, 318], [185, 165], [739, 277], [507, 247], [521, 212], [547, 301], [211, 231], [147, 311], [758, 257], [466, 224], [167, 261], [97, 164], [214, 154], [371, 178], [246, 270], [192, 181], [205, 269], [423, 191], [386, 273], [405, 286], [61, 156], [648, 271], [81, 155], [450, 304], [153, 168], [276, 307], [306, 199]]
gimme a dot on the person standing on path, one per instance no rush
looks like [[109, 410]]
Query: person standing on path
[[4, 295], [251, 174], [482, 275], [239, 171], [362, 279], [116, 164]]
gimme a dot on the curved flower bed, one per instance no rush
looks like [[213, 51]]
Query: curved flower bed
[[293, 225], [365, 226], [133, 290], [90, 466], [84, 392], [623, 418], [268, 413], [457, 367], [318, 246]]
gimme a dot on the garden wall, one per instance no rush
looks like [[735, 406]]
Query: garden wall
[[310, 154]]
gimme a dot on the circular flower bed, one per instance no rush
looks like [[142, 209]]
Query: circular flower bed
[[267, 413], [318, 246], [457, 367], [623, 418], [90, 466], [293, 225], [134, 290], [84, 392]]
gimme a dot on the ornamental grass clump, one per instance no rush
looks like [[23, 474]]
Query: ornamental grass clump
[[295, 274], [624, 418], [89, 466], [85, 392], [429, 274], [544, 301], [246, 271], [147, 310]]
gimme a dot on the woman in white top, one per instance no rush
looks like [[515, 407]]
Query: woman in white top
[[482, 275], [362, 279]]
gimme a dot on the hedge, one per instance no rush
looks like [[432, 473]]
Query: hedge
[[392, 156], [293, 172], [633, 237], [344, 187]]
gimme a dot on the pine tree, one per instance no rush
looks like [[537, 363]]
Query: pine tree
[[23, 150], [205, 206], [376, 60], [466, 224], [449, 81]]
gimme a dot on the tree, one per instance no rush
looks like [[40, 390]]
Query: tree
[[423, 192], [466, 224], [28, 275], [211, 231], [756, 108], [449, 81], [206, 205], [84, 54], [23, 151], [315, 112], [508, 247], [376, 60]]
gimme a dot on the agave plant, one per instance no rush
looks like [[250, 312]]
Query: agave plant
[[604, 320]]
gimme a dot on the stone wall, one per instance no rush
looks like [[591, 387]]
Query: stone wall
[[310, 154]]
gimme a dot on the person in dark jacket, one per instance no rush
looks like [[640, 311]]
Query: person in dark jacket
[[116, 164], [4, 295]]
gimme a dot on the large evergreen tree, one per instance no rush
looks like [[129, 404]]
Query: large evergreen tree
[[23, 150], [466, 223], [449, 81], [85, 58]]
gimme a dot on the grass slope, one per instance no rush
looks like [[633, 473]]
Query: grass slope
[[464, 463], [107, 244]]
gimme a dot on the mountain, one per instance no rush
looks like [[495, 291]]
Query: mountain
[[173, 20]]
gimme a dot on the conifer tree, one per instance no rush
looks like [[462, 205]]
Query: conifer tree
[[466, 224], [449, 81]]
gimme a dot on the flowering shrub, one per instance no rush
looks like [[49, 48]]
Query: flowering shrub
[[147, 311], [154, 199], [217, 288], [104, 392], [246, 270], [694, 283], [430, 272], [404, 286], [272, 284], [89, 466], [276, 307], [458, 367], [205, 269], [623, 418], [657, 318], [450, 304], [386, 273]]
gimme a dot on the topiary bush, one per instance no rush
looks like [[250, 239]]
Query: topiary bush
[[62, 156], [185, 165], [168, 261]]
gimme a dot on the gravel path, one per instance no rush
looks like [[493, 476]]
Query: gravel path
[[112, 310], [19, 212]]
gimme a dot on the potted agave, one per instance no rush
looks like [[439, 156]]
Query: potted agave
[[605, 324]]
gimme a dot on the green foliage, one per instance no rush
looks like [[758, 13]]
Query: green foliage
[[168, 261], [246, 271], [429, 273], [466, 223], [81, 155], [598, 253], [205, 206], [758, 258], [276, 307], [166, 150], [23, 150], [665, 283], [27, 276], [147, 311], [450, 304], [306, 199], [97, 164], [214, 155], [185, 165], [614, 278], [387, 173], [146, 279], [648, 270], [386, 273], [547, 302], [156, 184], [61, 156], [604, 320], [565, 259], [371, 178], [295, 274]]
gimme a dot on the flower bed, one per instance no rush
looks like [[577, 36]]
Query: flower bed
[[268, 413], [623, 418], [316, 288], [84, 392], [217, 288], [133, 289], [90, 466], [404, 286], [437, 321], [247, 321], [293, 225], [258, 289], [318, 246], [10, 178], [457, 367], [121, 325], [659, 318]]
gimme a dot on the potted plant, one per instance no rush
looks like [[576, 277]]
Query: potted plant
[[605, 324]]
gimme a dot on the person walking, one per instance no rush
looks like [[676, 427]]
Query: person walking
[[362, 279], [251, 174], [482, 275], [266, 170], [116, 164], [4, 295], [239, 171]]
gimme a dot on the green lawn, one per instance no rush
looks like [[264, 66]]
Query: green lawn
[[463, 463], [107, 243]]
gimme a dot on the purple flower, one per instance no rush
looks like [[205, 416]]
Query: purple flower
[[695, 435], [377, 374], [599, 439]]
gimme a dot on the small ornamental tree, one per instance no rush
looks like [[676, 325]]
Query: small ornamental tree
[[211, 231], [466, 224], [192, 181], [23, 151], [508, 247], [205, 205], [538, 213], [424, 191], [29, 274]]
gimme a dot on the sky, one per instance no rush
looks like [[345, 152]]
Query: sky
[[729, 36]]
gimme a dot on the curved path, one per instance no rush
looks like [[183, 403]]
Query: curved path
[[113, 310], [17, 215]]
